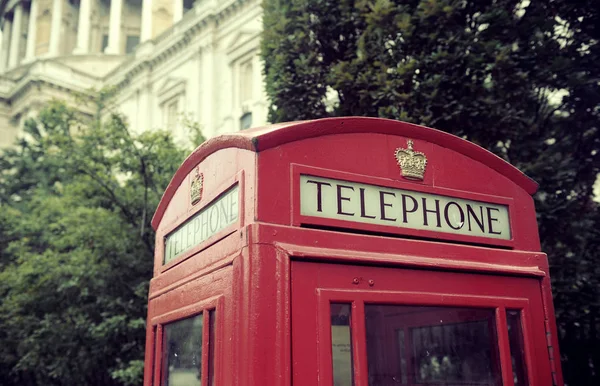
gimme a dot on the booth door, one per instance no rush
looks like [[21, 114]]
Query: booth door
[[375, 326]]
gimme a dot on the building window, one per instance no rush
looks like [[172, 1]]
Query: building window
[[171, 112], [104, 43], [132, 42], [246, 121], [187, 5], [246, 81]]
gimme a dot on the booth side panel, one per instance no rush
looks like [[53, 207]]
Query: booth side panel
[[220, 171], [211, 293], [208, 260]]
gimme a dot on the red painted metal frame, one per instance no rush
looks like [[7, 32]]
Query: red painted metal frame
[[526, 326], [298, 219], [189, 295], [249, 266], [202, 307], [504, 346], [158, 336], [438, 256], [208, 200]]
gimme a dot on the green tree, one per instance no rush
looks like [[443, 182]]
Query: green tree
[[519, 78], [76, 199]]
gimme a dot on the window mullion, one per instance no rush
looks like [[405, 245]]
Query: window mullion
[[359, 344], [504, 347], [205, 347], [159, 355]]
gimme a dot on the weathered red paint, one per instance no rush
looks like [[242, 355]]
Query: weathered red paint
[[269, 278]]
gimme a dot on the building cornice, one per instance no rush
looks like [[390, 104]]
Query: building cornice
[[39, 79], [38, 72], [33, 86], [28, 68]]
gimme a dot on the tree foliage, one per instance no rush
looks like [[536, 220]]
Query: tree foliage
[[519, 78], [76, 253]]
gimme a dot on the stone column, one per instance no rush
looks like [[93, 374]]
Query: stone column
[[83, 28], [15, 36], [199, 86], [177, 10], [144, 122], [146, 33], [114, 31], [57, 6], [32, 31], [209, 90], [5, 45]]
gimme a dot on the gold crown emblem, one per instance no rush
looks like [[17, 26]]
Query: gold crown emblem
[[197, 186], [412, 163]]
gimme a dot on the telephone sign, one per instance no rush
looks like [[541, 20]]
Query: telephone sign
[[355, 202]]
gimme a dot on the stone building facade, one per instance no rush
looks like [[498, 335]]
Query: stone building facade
[[168, 60]]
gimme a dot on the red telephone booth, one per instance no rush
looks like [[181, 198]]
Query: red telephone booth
[[349, 251]]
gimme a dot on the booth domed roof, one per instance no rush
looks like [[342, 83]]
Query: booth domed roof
[[267, 137]]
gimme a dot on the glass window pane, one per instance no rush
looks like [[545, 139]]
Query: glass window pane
[[517, 352], [431, 345], [182, 352], [341, 346], [131, 43], [246, 121]]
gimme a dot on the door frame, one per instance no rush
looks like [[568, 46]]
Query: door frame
[[357, 296]]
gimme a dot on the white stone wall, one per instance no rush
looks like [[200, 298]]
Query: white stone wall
[[203, 77], [201, 66]]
